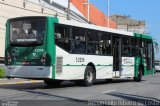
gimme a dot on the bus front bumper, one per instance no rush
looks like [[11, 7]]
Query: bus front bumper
[[29, 72]]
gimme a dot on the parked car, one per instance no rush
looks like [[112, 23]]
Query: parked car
[[157, 65]]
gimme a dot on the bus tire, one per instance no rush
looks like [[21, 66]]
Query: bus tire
[[89, 76], [51, 82], [109, 80], [139, 77]]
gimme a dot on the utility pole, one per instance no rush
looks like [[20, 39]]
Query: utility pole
[[68, 10], [108, 13], [88, 10]]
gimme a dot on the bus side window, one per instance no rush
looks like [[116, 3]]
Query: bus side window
[[62, 36], [90, 45], [126, 51], [144, 52], [92, 42], [134, 47], [105, 44], [78, 44]]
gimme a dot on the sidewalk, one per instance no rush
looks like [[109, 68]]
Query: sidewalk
[[2, 65], [6, 81]]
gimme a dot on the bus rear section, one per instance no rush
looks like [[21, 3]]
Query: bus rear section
[[25, 51]]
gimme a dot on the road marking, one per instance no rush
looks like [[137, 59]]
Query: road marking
[[157, 74], [109, 91], [20, 82]]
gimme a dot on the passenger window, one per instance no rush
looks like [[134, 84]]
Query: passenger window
[[105, 44], [62, 37], [93, 42], [135, 51], [144, 52], [78, 44], [126, 51]]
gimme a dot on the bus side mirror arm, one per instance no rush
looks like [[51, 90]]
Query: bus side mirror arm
[[156, 47]]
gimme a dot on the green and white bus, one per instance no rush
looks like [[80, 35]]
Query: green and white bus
[[53, 50]]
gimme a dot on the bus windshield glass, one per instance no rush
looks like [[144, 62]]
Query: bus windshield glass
[[157, 63], [27, 31]]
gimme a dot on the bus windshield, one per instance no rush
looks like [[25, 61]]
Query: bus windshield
[[157, 63], [27, 31]]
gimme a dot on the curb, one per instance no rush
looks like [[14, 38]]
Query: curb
[[1, 79], [21, 82]]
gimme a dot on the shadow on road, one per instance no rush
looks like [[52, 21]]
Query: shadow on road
[[64, 84], [31, 88], [136, 99]]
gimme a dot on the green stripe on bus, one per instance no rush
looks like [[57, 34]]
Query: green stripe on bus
[[128, 65], [142, 36], [51, 44], [99, 65], [7, 41], [85, 65]]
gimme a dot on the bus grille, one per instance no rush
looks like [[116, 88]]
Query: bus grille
[[59, 65]]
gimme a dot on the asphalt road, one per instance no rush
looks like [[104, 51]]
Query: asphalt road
[[121, 92]]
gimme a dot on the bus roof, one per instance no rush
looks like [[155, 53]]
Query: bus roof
[[94, 27], [143, 36], [89, 26], [26, 17]]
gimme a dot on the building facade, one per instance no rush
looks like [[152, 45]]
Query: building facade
[[95, 15], [59, 8], [128, 24]]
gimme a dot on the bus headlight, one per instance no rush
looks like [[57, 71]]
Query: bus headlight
[[9, 58], [43, 59]]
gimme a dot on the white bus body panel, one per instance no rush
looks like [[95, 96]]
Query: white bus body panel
[[75, 70], [127, 67], [72, 70]]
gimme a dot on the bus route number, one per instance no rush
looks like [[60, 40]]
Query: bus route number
[[80, 59]]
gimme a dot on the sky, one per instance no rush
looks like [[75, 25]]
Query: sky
[[144, 10]]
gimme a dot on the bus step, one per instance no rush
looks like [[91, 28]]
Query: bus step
[[116, 77]]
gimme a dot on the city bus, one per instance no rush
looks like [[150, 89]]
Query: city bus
[[55, 50]]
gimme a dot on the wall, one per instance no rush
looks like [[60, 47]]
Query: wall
[[96, 16], [64, 3], [15, 8], [19, 8]]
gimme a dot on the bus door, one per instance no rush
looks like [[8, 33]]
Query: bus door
[[117, 58], [149, 55]]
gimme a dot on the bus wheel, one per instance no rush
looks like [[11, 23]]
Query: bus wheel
[[139, 77], [89, 76], [109, 80], [51, 82]]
